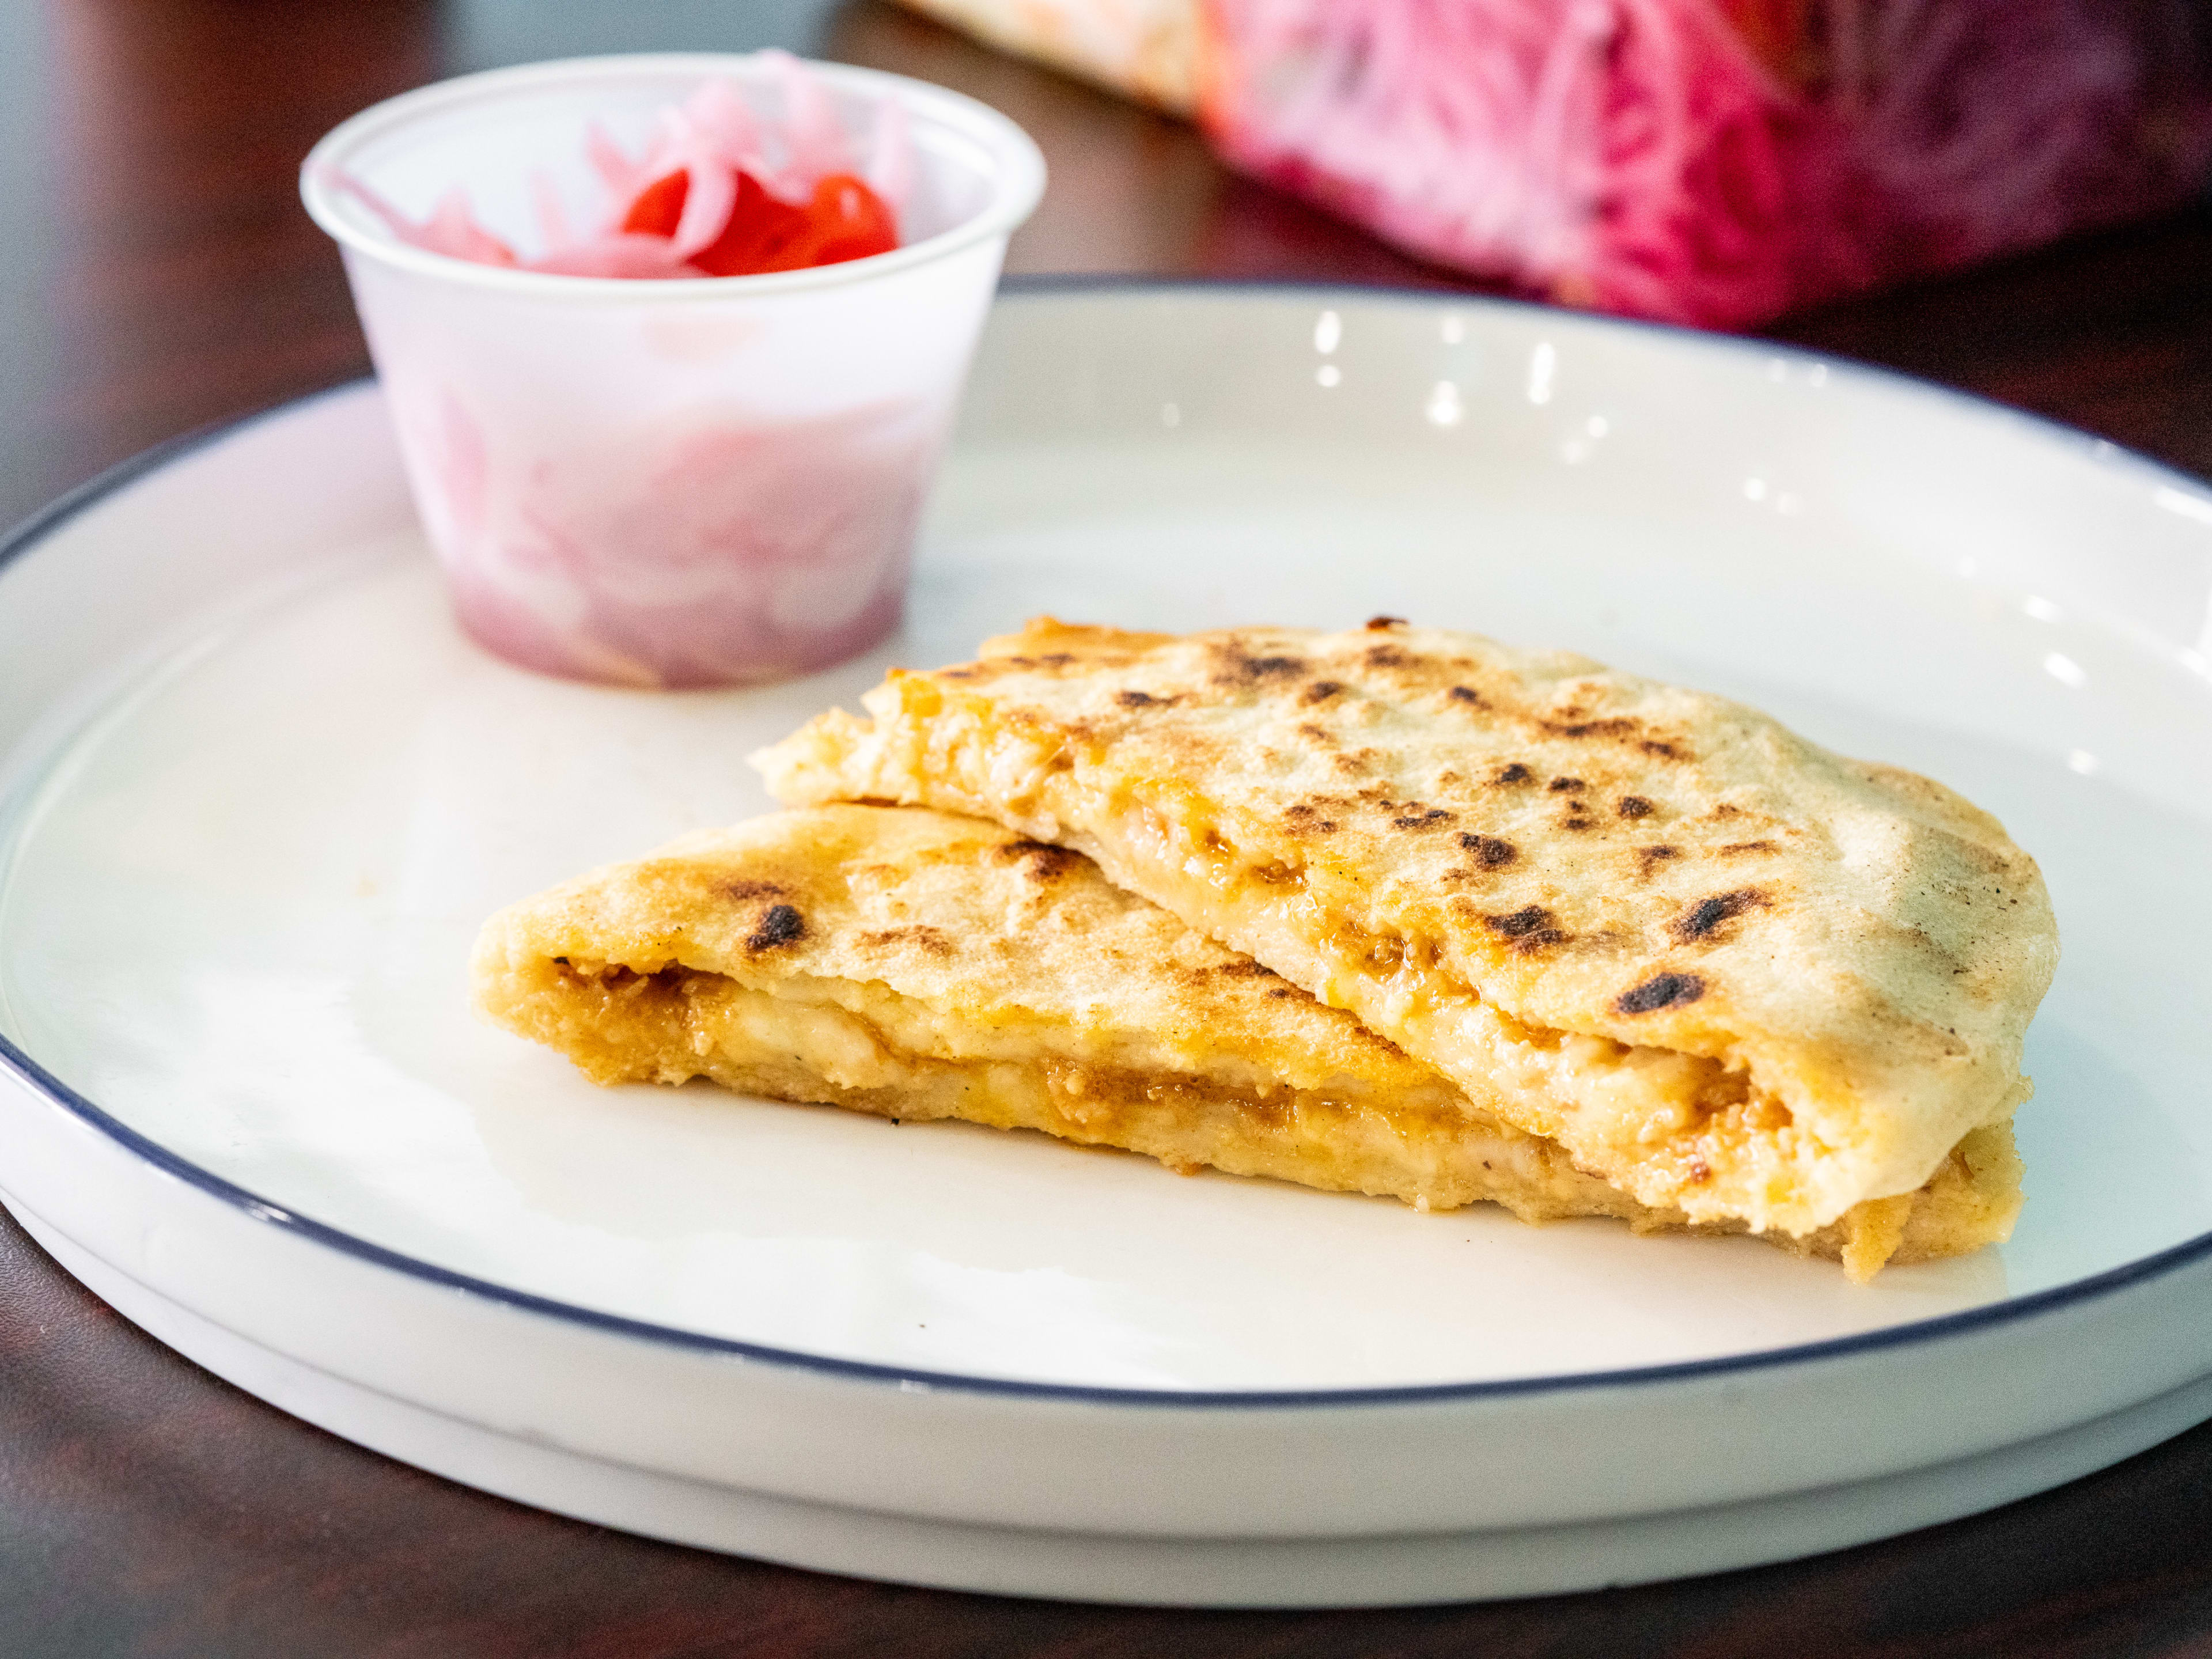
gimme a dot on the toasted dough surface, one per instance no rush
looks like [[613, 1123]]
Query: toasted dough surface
[[919, 965], [1730, 972]]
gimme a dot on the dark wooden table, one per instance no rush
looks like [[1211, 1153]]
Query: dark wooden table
[[157, 274]]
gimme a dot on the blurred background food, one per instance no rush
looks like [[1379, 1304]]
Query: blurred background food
[[1706, 161]]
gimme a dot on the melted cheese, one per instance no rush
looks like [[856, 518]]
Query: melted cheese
[[864, 1047]]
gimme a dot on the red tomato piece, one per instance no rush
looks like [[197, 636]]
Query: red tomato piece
[[659, 208], [759, 228], [845, 220], [866, 224]]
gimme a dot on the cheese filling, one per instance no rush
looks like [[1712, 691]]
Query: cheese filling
[[866, 1047], [849, 1043]]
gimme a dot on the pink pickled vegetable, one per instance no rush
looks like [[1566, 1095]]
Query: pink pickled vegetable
[[708, 552], [717, 484], [713, 195]]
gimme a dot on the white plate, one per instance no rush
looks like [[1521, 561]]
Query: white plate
[[259, 794]]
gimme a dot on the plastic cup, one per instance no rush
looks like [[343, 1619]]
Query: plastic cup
[[683, 482]]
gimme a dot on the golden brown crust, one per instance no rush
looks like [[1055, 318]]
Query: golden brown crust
[[1444, 833], [919, 965]]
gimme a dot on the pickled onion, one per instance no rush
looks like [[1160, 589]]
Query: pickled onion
[[715, 193]]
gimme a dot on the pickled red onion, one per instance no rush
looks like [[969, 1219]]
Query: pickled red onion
[[714, 194]]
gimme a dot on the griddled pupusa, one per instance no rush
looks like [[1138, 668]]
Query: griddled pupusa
[[919, 965], [1730, 973]]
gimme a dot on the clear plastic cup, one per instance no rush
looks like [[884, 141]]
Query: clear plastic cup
[[698, 482]]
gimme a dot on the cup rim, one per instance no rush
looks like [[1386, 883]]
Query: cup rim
[[1015, 189]]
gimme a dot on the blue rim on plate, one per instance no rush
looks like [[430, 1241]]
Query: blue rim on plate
[[43, 524]]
